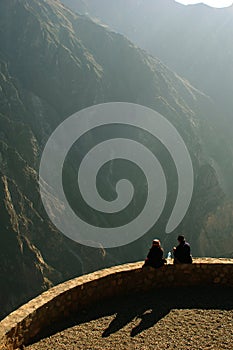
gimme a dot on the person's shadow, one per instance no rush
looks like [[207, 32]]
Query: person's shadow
[[152, 307], [146, 309], [149, 308]]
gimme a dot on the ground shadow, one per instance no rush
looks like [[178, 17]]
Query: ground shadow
[[153, 306], [149, 308]]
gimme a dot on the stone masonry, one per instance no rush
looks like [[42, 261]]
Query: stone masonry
[[60, 302]]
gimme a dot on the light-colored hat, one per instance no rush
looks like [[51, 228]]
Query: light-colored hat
[[156, 241]]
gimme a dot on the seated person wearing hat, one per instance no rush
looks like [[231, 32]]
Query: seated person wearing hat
[[155, 255], [182, 253]]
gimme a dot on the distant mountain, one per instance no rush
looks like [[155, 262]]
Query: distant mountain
[[194, 41], [53, 63]]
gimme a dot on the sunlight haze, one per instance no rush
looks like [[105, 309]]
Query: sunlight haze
[[212, 3]]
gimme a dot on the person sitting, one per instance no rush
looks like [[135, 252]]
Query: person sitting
[[182, 253], [155, 255]]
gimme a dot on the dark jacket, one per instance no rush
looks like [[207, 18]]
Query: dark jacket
[[155, 257], [182, 253]]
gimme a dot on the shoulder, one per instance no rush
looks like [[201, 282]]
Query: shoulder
[[187, 246]]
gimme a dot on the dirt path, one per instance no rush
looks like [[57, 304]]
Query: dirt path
[[175, 319]]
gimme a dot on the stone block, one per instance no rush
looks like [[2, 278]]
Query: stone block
[[29, 320]]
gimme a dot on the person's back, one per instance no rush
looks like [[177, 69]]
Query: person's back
[[182, 253], [155, 255]]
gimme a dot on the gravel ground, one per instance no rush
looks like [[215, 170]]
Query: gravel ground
[[175, 319]]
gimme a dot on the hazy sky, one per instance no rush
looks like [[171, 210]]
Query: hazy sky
[[213, 3]]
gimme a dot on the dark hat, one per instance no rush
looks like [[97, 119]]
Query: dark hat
[[181, 238]]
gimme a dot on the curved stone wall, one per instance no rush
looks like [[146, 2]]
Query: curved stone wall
[[23, 325]]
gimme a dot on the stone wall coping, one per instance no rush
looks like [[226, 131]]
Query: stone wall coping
[[18, 315], [28, 312]]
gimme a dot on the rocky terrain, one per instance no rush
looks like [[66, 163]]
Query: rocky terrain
[[183, 319], [193, 41], [53, 63]]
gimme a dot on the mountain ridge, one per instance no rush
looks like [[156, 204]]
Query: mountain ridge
[[192, 40], [56, 64]]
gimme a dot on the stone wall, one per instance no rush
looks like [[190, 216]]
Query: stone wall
[[23, 325]]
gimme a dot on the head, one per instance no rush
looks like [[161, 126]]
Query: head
[[180, 239], [156, 243]]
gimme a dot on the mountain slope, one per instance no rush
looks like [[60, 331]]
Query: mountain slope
[[56, 64], [195, 42]]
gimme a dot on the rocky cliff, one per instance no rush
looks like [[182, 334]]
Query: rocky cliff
[[193, 41], [53, 63]]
